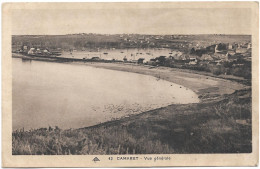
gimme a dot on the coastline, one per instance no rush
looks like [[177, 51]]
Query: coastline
[[184, 128], [204, 85], [199, 83]]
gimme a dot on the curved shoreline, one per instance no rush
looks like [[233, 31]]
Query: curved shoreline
[[173, 129], [205, 86], [202, 85]]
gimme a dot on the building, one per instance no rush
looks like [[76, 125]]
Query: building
[[31, 51], [230, 46], [193, 61], [38, 51]]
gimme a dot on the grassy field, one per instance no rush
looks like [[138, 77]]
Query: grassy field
[[221, 125]]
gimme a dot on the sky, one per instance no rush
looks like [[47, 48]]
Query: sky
[[132, 20]]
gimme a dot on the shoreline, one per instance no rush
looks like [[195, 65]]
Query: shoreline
[[204, 85], [207, 88], [225, 107], [199, 83]]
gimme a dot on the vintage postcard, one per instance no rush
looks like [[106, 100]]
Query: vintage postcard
[[130, 84]]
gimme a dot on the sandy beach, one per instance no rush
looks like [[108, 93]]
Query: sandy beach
[[205, 86], [185, 128]]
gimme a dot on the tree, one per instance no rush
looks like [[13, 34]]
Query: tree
[[161, 60]]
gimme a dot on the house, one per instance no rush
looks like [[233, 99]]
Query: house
[[235, 46], [38, 51], [230, 46], [45, 51], [25, 48], [31, 51], [216, 49], [193, 61]]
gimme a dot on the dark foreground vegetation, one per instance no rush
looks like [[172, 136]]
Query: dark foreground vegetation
[[222, 125]]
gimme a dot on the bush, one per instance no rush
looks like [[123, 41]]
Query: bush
[[216, 71], [243, 71]]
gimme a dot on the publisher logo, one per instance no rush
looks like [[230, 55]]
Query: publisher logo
[[95, 159]]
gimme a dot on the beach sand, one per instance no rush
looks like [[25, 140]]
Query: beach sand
[[203, 85]]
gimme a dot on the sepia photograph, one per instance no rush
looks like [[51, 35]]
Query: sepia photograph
[[122, 81]]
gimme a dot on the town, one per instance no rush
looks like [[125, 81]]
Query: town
[[217, 54]]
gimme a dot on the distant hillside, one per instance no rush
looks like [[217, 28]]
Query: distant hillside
[[83, 41]]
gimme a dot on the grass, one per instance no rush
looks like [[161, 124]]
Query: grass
[[222, 125]]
